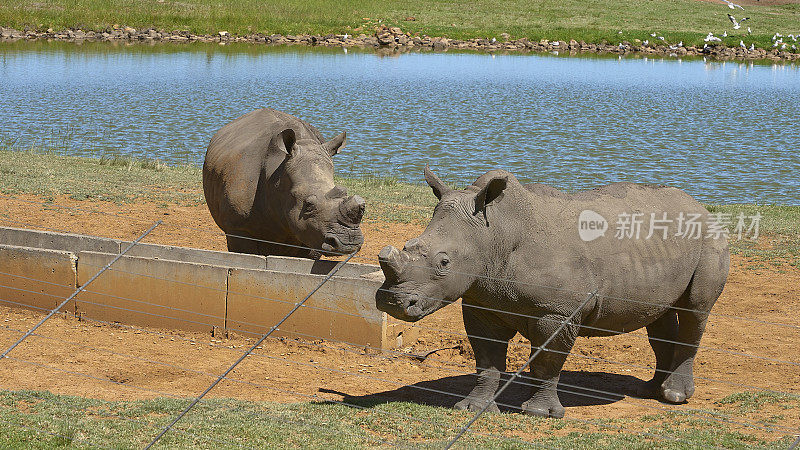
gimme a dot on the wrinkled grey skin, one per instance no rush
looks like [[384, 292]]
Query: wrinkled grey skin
[[269, 176], [503, 246]]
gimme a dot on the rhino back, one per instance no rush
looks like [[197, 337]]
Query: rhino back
[[653, 273], [239, 159]]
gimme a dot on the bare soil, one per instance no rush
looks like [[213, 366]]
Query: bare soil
[[105, 361]]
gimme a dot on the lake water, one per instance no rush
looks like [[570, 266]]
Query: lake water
[[724, 132]]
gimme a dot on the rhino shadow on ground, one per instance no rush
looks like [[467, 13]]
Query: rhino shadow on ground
[[576, 388]]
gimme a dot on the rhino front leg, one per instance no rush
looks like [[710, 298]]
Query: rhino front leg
[[546, 367], [489, 338]]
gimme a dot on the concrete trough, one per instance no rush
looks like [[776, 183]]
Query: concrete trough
[[36, 278], [196, 290], [57, 241], [318, 267], [343, 309], [153, 292], [196, 255]]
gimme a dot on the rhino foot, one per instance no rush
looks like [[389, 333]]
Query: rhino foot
[[476, 404], [677, 389], [543, 408]]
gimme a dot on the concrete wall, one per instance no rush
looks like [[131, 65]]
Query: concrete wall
[[343, 309], [153, 292], [195, 255], [193, 289], [57, 241], [36, 278], [318, 267]]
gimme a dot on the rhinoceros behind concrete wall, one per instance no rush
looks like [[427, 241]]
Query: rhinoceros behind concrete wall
[[268, 182], [525, 258]]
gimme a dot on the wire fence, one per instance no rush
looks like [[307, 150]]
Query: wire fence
[[517, 379]]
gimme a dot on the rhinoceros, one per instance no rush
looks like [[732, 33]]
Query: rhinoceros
[[268, 182], [522, 261]]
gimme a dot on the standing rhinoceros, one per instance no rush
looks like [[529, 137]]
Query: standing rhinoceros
[[522, 260], [268, 176]]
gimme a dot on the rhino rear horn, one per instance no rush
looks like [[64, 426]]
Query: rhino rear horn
[[352, 209], [333, 146], [439, 188]]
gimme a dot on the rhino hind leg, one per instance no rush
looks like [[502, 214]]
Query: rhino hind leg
[[704, 289], [489, 340], [662, 334], [546, 367]]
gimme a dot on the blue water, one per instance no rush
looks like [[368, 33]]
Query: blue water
[[724, 132]]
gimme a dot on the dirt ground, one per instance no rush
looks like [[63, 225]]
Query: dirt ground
[[118, 362]]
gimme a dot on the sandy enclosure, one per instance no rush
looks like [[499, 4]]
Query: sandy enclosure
[[110, 361]]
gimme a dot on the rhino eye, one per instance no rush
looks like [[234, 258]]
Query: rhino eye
[[442, 263], [309, 207]]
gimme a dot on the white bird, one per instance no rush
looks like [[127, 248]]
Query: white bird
[[661, 37], [794, 47], [646, 42], [346, 36], [711, 38], [752, 47], [494, 40], [737, 24], [793, 37], [748, 31], [725, 34], [732, 5], [652, 35], [673, 47], [741, 44], [680, 44]]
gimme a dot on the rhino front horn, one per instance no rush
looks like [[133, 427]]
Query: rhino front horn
[[389, 259]]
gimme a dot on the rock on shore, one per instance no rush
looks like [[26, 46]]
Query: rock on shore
[[395, 40]]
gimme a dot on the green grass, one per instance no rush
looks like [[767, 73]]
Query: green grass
[[596, 21], [120, 179], [77, 422]]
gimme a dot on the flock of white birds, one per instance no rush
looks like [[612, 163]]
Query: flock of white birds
[[777, 39]]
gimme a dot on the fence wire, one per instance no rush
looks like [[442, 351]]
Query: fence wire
[[603, 395], [516, 378], [315, 397]]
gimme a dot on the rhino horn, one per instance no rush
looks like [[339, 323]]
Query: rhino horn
[[352, 209], [439, 188], [392, 263], [333, 146]]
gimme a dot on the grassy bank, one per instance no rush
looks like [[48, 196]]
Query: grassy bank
[[676, 20], [76, 422], [123, 180]]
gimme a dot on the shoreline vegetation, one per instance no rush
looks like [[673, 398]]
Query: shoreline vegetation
[[48, 175], [659, 27], [393, 39]]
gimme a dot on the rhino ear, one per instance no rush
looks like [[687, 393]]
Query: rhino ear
[[334, 145], [283, 141], [438, 186], [493, 191]]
